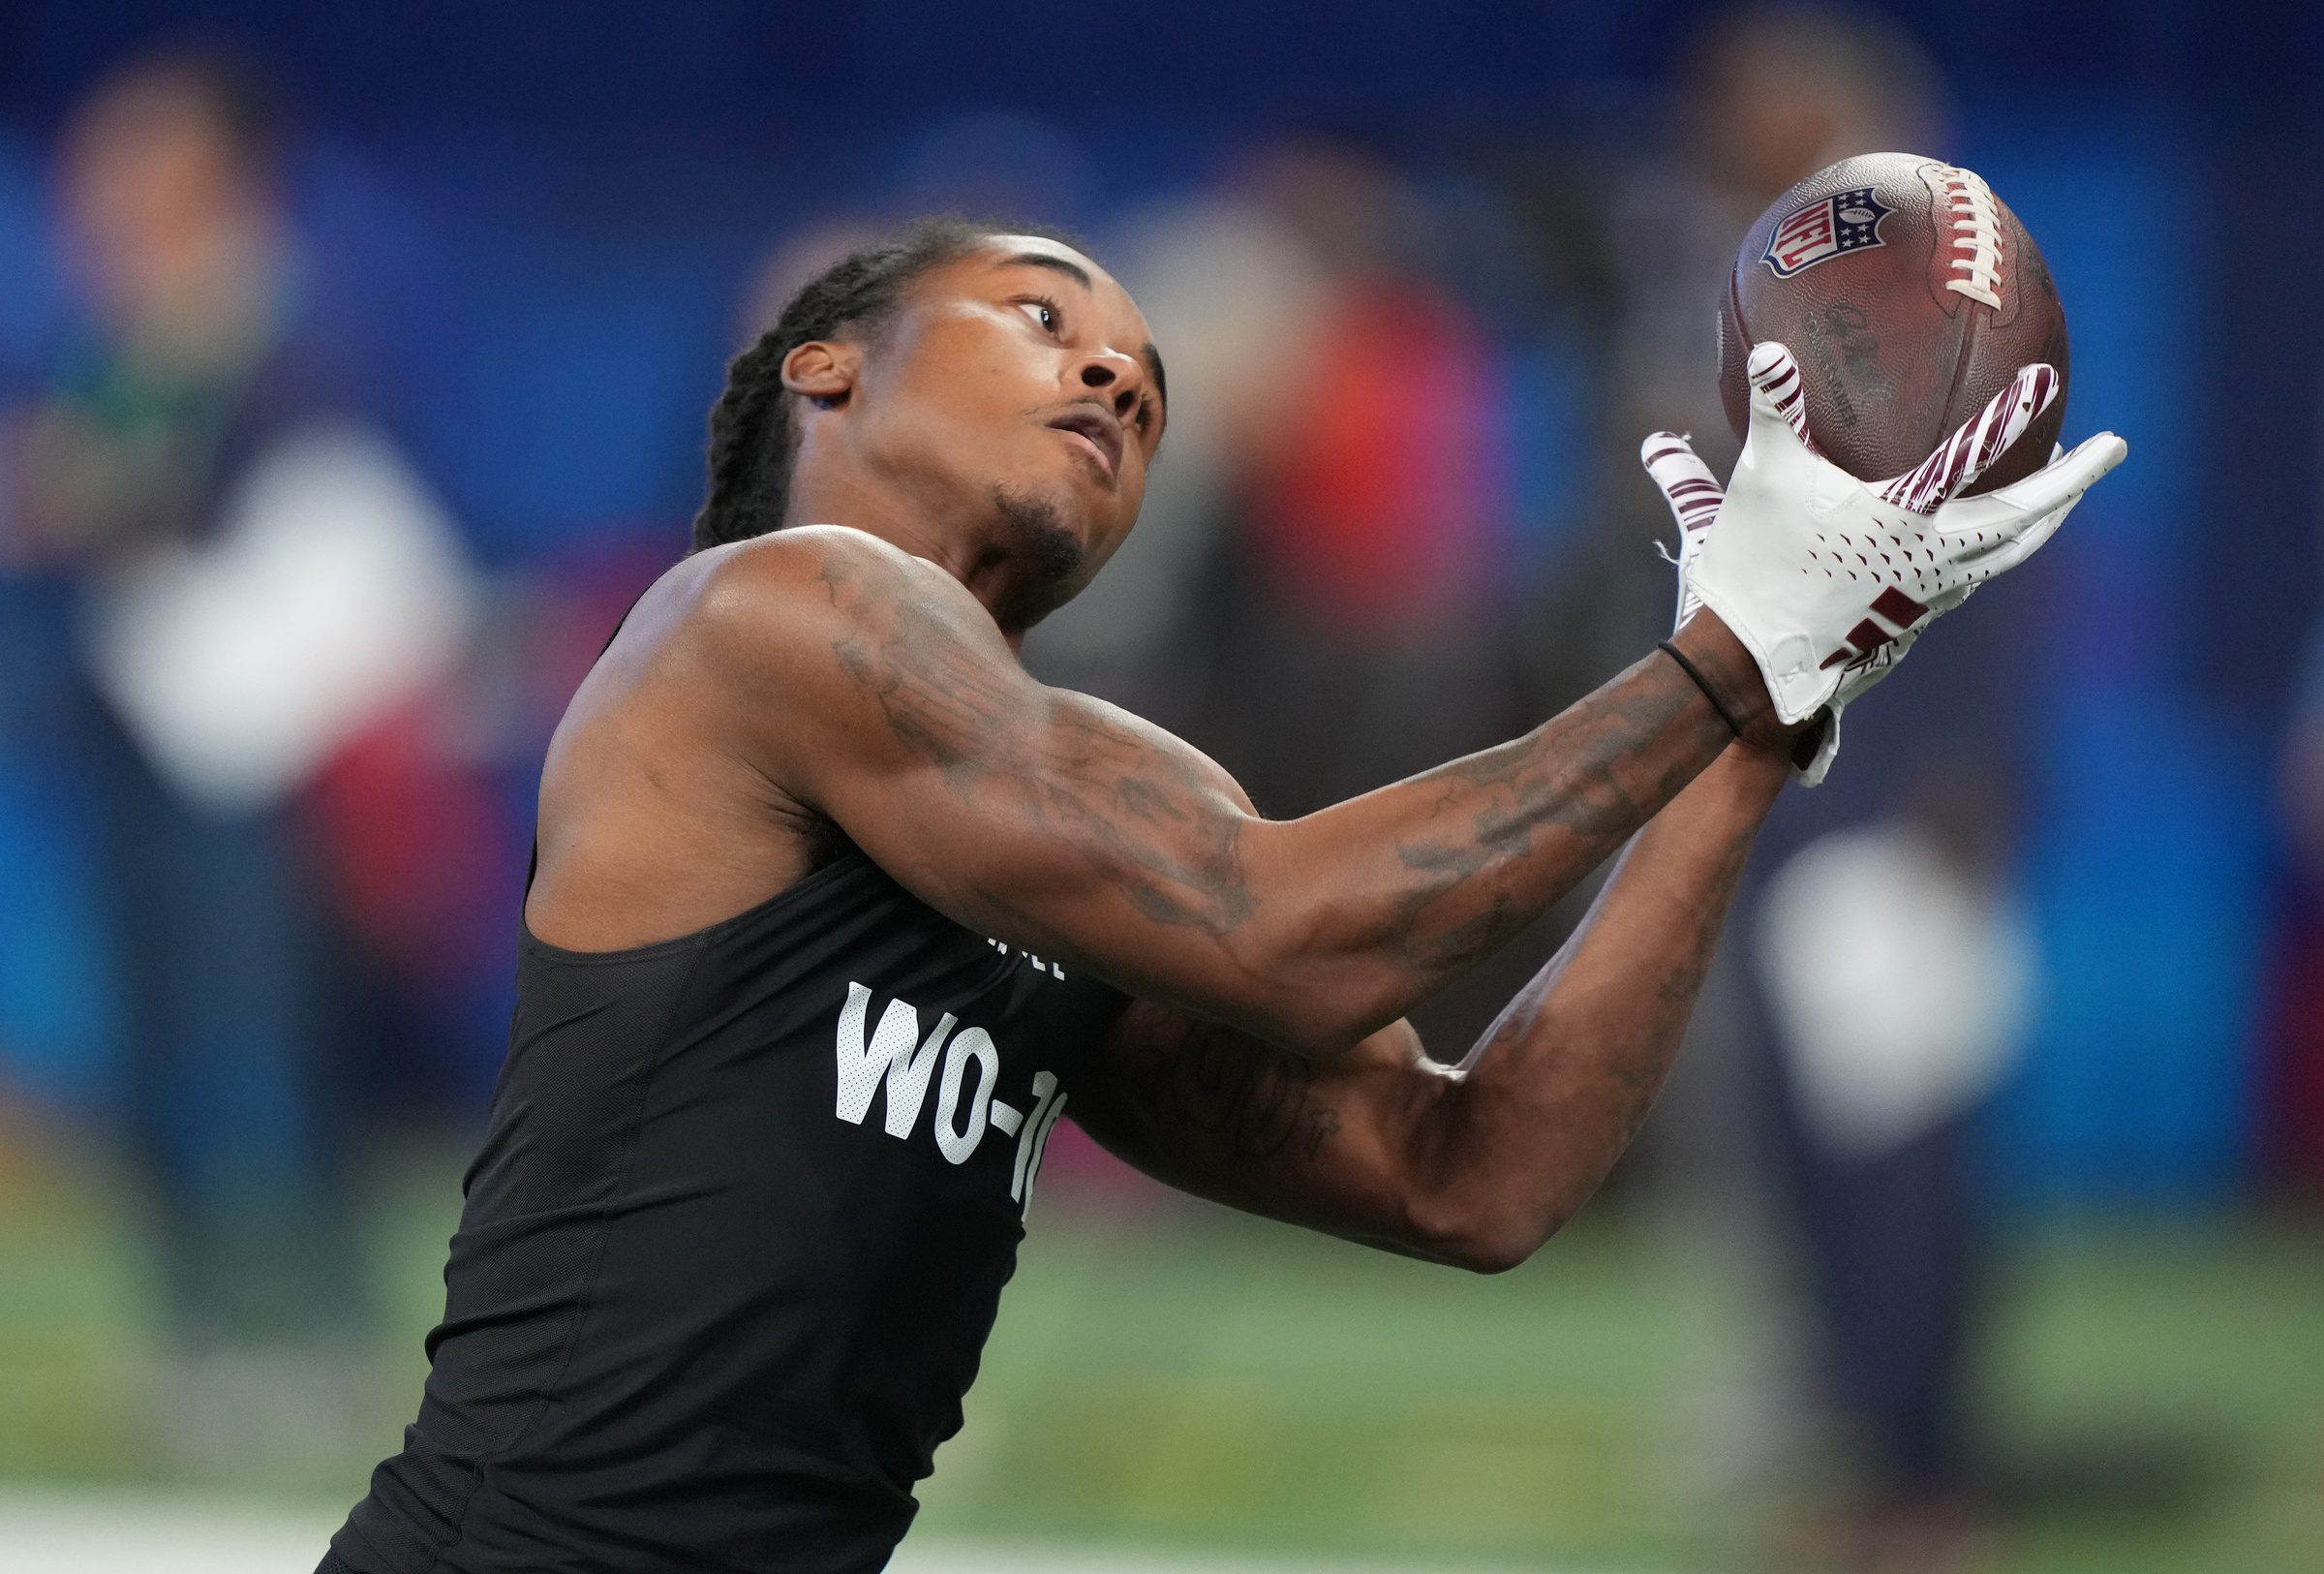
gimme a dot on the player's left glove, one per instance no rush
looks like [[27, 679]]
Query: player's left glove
[[1917, 502]]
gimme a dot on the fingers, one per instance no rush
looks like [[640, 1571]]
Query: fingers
[[1775, 390], [2002, 529], [1977, 445], [2066, 478], [1685, 481], [2040, 527]]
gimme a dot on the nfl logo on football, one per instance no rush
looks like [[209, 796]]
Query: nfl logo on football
[[1847, 220]]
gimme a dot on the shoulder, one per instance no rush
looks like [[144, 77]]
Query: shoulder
[[819, 648], [757, 600]]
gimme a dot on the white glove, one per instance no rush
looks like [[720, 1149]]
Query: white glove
[[1693, 497], [1827, 580], [1694, 494]]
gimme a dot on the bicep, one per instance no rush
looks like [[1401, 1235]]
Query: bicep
[[889, 703], [1214, 1111], [1051, 818]]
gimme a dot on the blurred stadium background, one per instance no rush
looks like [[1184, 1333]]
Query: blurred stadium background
[[354, 361]]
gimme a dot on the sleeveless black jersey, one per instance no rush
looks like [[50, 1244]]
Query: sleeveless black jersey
[[735, 1240]]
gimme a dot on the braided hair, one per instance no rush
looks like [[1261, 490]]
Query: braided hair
[[752, 441]]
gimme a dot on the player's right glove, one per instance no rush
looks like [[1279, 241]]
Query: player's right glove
[[1826, 579]]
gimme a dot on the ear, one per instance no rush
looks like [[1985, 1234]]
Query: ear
[[822, 371]]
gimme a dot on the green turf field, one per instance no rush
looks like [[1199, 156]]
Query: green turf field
[[1185, 1378]]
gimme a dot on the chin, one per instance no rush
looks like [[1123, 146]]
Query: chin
[[1052, 555]]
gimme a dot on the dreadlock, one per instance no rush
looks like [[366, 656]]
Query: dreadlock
[[751, 440]]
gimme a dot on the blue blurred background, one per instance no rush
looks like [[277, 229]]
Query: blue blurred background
[[1424, 275]]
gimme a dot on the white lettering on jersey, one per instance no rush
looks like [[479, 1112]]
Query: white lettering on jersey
[[890, 1055], [958, 1141], [1047, 1102], [1050, 967], [1041, 1141], [894, 1053]]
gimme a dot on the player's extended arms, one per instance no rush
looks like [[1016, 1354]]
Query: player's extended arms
[[871, 686], [1474, 1165]]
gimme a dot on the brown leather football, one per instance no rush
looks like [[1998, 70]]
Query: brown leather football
[[1911, 294]]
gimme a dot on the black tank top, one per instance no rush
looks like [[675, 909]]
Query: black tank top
[[734, 1243]]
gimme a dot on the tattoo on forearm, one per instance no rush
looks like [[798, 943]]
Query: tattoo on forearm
[[1642, 1071], [1563, 1081], [1589, 778]]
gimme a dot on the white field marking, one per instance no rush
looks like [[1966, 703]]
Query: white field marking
[[102, 1533], [152, 1533]]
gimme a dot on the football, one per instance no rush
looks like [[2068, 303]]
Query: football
[[1910, 294]]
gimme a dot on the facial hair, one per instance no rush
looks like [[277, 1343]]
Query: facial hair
[[1047, 557]]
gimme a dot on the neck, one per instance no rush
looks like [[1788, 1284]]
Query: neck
[[971, 546]]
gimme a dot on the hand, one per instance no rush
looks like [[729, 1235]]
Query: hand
[[1838, 627], [1694, 494]]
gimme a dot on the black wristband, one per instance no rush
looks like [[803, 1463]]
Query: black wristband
[[1708, 693]]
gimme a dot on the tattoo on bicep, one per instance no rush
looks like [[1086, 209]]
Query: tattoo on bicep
[[1253, 1096], [1322, 1125], [1250, 1094], [938, 703], [1170, 849], [1177, 854]]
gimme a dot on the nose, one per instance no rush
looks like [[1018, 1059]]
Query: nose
[[1116, 378]]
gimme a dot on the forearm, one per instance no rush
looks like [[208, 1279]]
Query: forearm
[[1396, 892], [1557, 1088]]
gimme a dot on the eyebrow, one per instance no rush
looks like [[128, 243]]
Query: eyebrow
[[1072, 270]]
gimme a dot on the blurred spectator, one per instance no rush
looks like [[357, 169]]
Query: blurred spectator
[[1337, 539], [1338, 456], [262, 594], [1769, 95], [789, 264], [1233, 294], [1766, 95], [1899, 971]]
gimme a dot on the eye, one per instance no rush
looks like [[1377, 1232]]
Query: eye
[[1043, 311], [1145, 414]]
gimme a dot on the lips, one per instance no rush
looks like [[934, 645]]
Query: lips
[[1099, 429]]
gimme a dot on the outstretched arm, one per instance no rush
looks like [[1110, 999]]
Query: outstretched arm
[[872, 688], [1474, 1164]]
